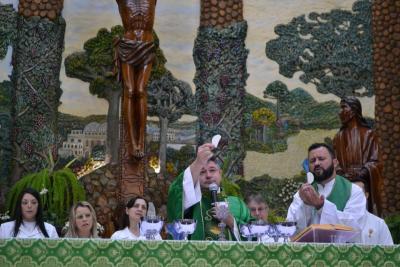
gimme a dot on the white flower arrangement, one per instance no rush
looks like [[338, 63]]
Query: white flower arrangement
[[65, 228], [4, 216], [288, 191], [100, 229], [43, 191]]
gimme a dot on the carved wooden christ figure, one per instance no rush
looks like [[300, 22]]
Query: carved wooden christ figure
[[357, 150], [134, 55]]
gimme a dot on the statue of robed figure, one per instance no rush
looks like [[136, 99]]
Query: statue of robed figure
[[357, 150]]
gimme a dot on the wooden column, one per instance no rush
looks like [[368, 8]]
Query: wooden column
[[386, 53], [44, 8], [220, 13]]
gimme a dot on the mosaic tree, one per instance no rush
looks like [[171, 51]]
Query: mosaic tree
[[8, 26], [220, 58], [279, 91], [332, 50], [36, 60], [95, 66], [169, 99], [5, 144], [265, 118]]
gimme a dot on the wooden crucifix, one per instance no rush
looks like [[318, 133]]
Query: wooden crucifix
[[134, 55]]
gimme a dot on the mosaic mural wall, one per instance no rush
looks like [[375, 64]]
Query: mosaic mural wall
[[267, 76]]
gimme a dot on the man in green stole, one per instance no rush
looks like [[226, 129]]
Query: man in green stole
[[330, 198], [189, 197]]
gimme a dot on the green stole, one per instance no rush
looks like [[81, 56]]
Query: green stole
[[206, 228], [340, 193], [209, 224]]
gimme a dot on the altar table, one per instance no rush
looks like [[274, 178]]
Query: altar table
[[105, 252]]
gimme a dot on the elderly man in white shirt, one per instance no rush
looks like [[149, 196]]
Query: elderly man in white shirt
[[330, 198]]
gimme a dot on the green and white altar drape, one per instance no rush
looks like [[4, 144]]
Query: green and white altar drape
[[86, 252]]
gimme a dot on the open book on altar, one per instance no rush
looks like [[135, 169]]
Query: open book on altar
[[326, 233]]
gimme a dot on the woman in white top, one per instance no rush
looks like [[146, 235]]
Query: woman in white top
[[135, 209], [82, 221], [28, 217]]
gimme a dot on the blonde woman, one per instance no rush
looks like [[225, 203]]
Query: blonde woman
[[82, 221]]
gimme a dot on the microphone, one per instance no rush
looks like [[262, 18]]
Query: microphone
[[213, 187]]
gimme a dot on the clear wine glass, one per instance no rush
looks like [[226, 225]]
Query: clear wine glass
[[259, 228], [222, 213], [286, 229], [151, 226], [274, 232], [245, 232], [185, 227]]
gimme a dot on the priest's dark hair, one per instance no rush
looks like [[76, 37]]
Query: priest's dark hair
[[217, 160], [39, 214], [318, 145]]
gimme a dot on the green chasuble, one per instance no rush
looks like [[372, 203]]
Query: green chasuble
[[340, 193], [207, 226]]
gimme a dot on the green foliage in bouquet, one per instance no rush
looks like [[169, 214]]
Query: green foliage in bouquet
[[58, 190], [230, 188], [393, 222], [274, 218]]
